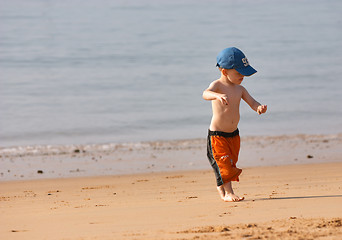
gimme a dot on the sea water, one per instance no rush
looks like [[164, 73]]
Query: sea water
[[84, 72]]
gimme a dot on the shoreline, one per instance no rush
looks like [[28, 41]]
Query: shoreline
[[285, 202], [64, 161], [61, 149]]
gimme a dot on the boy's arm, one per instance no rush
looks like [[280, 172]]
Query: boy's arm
[[255, 105], [211, 94]]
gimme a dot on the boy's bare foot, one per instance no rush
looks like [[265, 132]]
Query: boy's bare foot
[[228, 192], [221, 191], [231, 197]]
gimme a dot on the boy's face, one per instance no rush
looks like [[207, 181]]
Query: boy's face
[[233, 76]]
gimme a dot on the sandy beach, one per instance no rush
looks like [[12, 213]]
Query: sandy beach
[[298, 200], [286, 202], [104, 119]]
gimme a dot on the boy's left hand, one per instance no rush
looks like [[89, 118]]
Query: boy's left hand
[[261, 109]]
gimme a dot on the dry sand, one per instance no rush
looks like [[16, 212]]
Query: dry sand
[[284, 202]]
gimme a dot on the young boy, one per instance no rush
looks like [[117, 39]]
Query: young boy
[[223, 137]]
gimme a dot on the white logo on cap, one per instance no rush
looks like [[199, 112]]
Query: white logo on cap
[[245, 62]]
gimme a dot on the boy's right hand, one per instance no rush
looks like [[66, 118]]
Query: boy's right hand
[[223, 98], [261, 109]]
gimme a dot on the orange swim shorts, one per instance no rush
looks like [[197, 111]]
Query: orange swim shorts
[[223, 151]]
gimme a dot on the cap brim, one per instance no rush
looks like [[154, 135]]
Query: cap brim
[[246, 71]]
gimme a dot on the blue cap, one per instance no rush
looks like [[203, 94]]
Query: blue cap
[[233, 58]]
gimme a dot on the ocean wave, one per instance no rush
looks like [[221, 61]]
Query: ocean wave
[[43, 150]]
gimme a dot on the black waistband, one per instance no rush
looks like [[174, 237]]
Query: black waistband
[[223, 134]]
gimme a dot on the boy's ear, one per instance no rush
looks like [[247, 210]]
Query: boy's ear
[[224, 71]]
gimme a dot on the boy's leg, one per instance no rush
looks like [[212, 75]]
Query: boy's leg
[[229, 195], [221, 191]]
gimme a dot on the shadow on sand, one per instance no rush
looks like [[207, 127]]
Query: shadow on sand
[[288, 198]]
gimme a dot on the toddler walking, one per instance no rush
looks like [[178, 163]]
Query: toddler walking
[[223, 143]]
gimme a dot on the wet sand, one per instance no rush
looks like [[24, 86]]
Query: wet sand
[[64, 161]]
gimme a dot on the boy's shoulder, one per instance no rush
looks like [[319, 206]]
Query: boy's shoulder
[[217, 82], [214, 84], [220, 83]]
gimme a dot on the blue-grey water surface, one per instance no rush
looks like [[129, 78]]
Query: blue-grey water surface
[[84, 71]]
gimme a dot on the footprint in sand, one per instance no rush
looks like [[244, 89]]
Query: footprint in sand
[[177, 176], [19, 230], [191, 197]]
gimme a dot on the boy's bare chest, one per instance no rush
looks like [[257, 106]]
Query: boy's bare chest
[[233, 92]]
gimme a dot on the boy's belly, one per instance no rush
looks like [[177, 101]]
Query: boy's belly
[[225, 123]]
